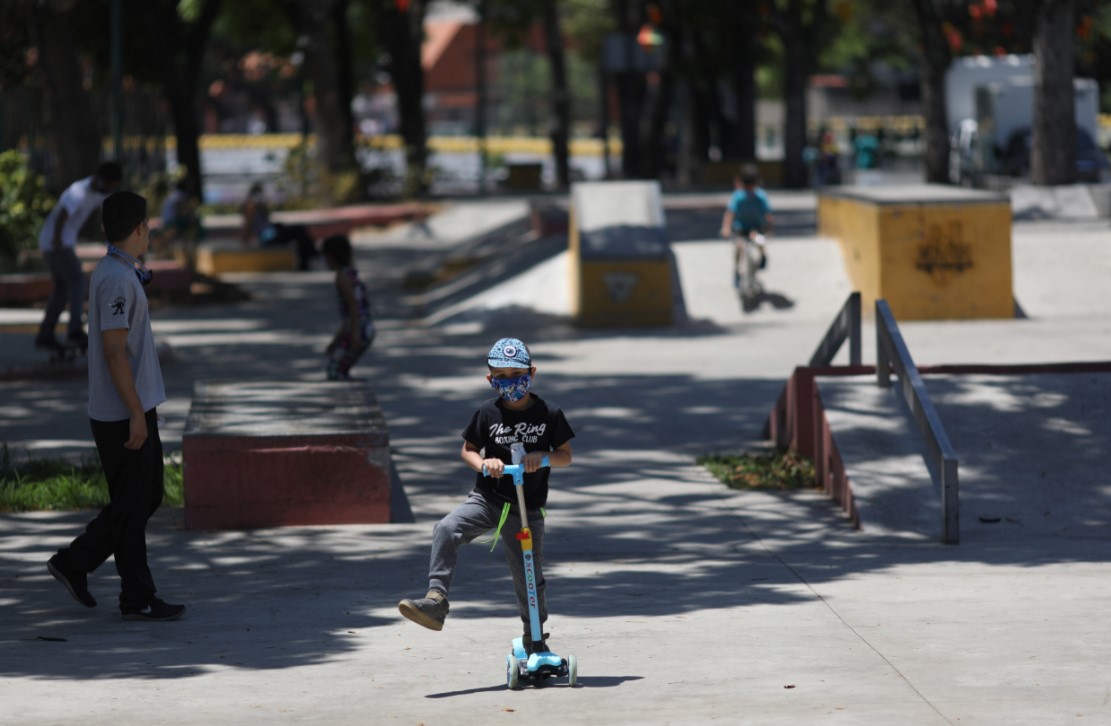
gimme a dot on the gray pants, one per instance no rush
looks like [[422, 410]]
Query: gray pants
[[475, 517], [69, 288]]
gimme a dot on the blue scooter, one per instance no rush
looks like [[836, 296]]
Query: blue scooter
[[521, 664]]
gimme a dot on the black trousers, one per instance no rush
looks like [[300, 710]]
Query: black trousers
[[120, 529]]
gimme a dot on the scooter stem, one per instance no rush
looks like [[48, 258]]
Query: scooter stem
[[517, 471]]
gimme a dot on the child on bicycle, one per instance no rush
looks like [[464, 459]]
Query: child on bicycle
[[516, 426], [748, 217]]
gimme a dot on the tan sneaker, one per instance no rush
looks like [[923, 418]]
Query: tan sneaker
[[429, 612]]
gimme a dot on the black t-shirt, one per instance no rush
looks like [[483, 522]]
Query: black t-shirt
[[496, 429]]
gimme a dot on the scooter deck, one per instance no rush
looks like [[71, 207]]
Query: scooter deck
[[538, 665]]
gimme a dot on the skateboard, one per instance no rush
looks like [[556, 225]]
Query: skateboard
[[67, 352]]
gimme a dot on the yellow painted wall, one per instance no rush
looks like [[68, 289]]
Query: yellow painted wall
[[947, 261], [625, 292], [855, 226]]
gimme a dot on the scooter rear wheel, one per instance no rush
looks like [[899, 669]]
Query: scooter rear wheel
[[572, 671]]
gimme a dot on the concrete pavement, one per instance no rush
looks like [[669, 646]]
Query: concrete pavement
[[684, 601]]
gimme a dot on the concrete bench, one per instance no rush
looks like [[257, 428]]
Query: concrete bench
[[25, 288], [276, 453], [620, 260], [321, 223], [171, 279], [220, 256], [933, 252]]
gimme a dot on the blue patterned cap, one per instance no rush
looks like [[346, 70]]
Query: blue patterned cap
[[509, 353]]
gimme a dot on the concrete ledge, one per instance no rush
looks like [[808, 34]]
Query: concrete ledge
[[323, 222], [279, 453], [25, 288], [933, 252], [218, 257], [547, 219], [620, 256], [170, 278]]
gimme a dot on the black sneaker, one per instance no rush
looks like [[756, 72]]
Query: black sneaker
[[541, 647], [77, 340], [47, 342], [156, 610], [430, 611], [75, 581]]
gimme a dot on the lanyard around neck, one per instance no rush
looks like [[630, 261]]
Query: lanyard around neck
[[141, 270]]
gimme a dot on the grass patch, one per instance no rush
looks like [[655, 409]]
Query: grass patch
[[59, 485], [780, 470]]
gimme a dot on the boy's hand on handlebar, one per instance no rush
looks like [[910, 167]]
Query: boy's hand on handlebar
[[493, 467], [533, 461]]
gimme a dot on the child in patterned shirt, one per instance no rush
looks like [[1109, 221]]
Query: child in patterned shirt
[[356, 331]]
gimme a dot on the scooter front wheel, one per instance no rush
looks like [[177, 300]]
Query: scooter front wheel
[[512, 673], [572, 671]]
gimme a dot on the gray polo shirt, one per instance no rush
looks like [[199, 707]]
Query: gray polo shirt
[[117, 300]]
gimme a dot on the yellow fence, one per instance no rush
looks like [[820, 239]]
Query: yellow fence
[[511, 144], [446, 144]]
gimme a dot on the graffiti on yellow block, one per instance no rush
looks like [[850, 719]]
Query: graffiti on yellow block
[[943, 253]]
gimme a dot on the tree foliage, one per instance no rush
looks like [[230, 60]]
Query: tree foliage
[[24, 204]]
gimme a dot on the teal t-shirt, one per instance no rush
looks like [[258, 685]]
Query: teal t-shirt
[[750, 211]]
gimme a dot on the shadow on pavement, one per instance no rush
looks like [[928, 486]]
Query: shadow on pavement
[[636, 528]]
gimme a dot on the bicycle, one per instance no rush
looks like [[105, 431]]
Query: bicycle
[[751, 259]]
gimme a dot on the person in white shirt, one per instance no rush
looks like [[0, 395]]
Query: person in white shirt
[[58, 243]]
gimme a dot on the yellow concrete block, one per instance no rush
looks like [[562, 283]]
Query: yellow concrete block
[[624, 292], [216, 260], [934, 253], [620, 260]]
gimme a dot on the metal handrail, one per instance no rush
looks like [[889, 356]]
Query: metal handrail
[[892, 354], [845, 325]]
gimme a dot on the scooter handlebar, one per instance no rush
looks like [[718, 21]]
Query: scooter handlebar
[[517, 471]]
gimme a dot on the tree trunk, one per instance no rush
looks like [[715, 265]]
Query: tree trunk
[[708, 118], [403, 35], [560, 130], [934, 60], [630, 93], [324, 57], [801, 33], [743, 143], [1053, 157], [183, 110], [794, 130], [179, 65], [70, 122], [657, 140]]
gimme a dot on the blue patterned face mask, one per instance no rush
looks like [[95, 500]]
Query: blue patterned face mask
[[512, 389]]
